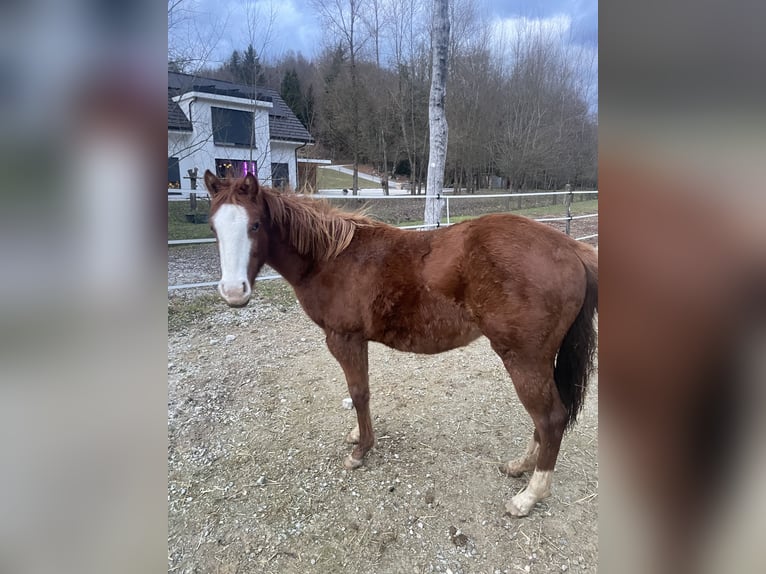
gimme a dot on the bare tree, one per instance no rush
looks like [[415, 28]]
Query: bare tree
[[189, 49], [473, 101], [535, 79], [437, 117], [260, 26], [409, 50], [343, 19], [189, 44], [373, 18]]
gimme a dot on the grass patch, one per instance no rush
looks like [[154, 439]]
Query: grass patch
[[331, 179], [179, 228], [579, 208], [276, 291], [186, 310], [183, 311]]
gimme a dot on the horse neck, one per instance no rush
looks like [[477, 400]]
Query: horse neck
[[284, 258]]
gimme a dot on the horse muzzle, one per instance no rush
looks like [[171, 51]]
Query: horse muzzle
[[236, 293]]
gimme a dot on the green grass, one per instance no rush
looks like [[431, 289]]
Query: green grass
[[331, 179], [183, 312], [578, 208], [276, 292], [179, 228]]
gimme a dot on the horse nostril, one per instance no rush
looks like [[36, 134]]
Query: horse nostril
[[244, 287]]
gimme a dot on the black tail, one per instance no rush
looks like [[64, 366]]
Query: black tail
[[575, 359]]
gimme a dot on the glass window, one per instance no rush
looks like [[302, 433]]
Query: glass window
[[280, 175], [235, 167], [174, 173], [232, 127]]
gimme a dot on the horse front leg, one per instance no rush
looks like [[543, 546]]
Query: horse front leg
[[351, 353]]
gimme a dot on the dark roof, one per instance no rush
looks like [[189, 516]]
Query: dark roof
[[180, 83], [177, 120], [283, 123]]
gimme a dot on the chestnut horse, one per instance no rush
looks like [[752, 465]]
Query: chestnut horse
[[530, 289]]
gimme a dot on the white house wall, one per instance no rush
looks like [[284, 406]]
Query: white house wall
[[284, 152], [197, 149]]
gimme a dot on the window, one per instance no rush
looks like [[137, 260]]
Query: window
[[174, 173], [280, 175], [232, 127], [235, 167]]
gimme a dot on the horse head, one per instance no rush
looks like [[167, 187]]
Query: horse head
[[237, 219]]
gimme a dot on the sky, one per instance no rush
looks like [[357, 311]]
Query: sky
[[223, 24]]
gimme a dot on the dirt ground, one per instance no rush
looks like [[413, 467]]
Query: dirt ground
[[255, 477]]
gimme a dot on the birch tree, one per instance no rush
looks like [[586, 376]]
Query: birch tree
[[437, 118]]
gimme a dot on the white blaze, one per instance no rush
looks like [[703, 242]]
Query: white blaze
[[234, 245]]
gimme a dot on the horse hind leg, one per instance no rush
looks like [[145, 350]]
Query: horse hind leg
[[526, 462], [537, 391]]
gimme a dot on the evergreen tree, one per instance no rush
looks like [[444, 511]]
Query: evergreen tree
[[290, 90], [245, 68], [252, 69], [234, 65], [307, 113]]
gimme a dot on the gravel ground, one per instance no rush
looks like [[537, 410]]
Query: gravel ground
[[255, 480]]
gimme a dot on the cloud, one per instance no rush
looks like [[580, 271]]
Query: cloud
[[273, 26], [578, 18], [585, 24], [510, 28], [577, 35]]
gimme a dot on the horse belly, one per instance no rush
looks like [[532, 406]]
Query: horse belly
[[430, 331]]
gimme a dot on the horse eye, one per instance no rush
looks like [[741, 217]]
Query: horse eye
[[255, 226]]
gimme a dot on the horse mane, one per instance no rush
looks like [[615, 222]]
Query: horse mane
[[312, 226]]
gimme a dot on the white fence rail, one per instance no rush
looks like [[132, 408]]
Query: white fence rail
[[446, 196]]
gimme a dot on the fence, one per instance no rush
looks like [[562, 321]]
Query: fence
[[569, 195]]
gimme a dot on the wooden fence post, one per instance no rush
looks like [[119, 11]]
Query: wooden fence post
[[568, 201]]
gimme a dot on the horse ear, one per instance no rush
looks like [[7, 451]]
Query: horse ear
[[250, 185], [212, 183]]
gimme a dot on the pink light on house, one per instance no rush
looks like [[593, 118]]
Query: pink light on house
[[249, 167]]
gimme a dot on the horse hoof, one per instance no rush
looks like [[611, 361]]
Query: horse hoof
[[510, 470], [523, 502], [350, 463], [517, 510]]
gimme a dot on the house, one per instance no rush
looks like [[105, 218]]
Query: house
[[230, 128]]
